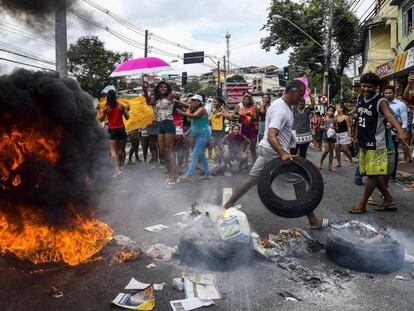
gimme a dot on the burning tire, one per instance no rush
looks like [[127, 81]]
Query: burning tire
[[215, 255], [303, 205], [382, 258]]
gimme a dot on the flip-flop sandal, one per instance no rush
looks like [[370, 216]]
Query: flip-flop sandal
[[372, 202], [324, 225], [357, 211], [386, 208]]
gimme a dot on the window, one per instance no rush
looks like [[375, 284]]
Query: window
[[408, 19]]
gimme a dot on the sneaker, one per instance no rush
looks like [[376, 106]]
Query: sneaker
[[359, 182]]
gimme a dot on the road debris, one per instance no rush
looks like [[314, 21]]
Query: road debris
[[142, 300], [202, 291], [289, 296], [54, 292], [401, 278], [178, 284], [287, 243], [200, 278], [159, 252], [156, 228], [121, 240], [151, 265], [127, 253], [137, 285], [190, 304], [180, 213]]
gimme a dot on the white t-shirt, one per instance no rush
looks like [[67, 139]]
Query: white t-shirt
[[279, 116]]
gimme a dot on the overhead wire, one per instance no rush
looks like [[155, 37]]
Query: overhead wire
[[25, 64]]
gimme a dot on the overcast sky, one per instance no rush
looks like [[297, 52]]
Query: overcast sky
[[197, 24]]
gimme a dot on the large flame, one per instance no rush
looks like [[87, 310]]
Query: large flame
[[24, 230], [33, 239]]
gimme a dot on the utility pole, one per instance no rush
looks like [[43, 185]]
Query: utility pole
[[146, 44], [61, 39], [328, 44], [218, 79], [228, 36], [224, 92]]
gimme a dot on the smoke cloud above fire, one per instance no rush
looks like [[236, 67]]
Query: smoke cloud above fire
[[52, 149], [34, 13]]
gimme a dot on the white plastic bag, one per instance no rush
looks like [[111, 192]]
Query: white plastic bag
[[330, 133], [233, 226]]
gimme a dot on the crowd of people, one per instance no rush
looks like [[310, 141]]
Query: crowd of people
[[186, 137]]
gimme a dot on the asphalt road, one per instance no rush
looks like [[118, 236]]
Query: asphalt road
[[139, 200]]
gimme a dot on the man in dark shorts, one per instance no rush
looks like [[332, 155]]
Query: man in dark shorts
[[373, 112]]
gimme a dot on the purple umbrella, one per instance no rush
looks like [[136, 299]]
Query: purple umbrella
[[140, 65]]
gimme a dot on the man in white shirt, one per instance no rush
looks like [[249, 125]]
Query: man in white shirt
[[278, 137]]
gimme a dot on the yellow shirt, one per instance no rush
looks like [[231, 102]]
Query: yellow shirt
[[217, 122]]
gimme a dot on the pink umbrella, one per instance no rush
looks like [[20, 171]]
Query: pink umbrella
[[140, 65]]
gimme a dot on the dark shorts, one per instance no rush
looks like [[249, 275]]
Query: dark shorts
[[117, 134], [249, 130], [153, 129], [319, 135], [167, 127], [217, 136]]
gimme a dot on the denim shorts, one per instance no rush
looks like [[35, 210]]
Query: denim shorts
[[167, 127], [117, 133]]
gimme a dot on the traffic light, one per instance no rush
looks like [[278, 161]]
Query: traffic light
[[286, 73], [184, 78]]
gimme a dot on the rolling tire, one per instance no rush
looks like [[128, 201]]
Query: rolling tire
[[370, 258], [291, 208]]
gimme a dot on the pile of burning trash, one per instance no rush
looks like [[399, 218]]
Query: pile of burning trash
[[287, 243]]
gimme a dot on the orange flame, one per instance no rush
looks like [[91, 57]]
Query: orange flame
[[16, 146], [32, 239]]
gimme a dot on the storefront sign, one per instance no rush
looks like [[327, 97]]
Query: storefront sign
[[385, 69], [409, 62], [399, 61]]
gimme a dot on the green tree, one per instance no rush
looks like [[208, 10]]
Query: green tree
[[91, 64], [207, 92], [236, 78], [311, 16], [192, 86]]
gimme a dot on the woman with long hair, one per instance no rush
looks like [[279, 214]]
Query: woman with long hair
[[343, 135], [201, 133], [116, 130], [164, 103], [261, 110], [248, 118], [329, 137], [218, 116]]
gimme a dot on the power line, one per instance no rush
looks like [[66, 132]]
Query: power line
[[28, 57], [25, 64], [28, 36]]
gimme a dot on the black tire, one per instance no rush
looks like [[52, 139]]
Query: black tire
[[217, 255], [291, 208], [370, 258]]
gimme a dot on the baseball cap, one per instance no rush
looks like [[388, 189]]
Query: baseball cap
[[197, 97]]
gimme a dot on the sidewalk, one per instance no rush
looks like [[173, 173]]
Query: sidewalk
[[406, 170]]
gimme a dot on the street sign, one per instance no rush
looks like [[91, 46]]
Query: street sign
[[324, 99], [194, 57]]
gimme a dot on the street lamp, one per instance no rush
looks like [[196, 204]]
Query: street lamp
[[308, 35]]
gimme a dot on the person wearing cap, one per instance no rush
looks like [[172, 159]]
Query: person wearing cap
[[201, 133]]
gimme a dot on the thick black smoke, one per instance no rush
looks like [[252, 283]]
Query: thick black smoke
[[36, 13], [54, 107]]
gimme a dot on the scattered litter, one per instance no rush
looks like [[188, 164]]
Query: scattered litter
[[121, 240], [180, 214], [123, 191], [400, 277], [127, 253], [159, 252], [190, 304], [156, 228], [287, 243], [254, 235], [409, 258], [204, 278], [182, 226], [142, 300], [202, 291], [54, 292], [228, 174], [360, 232], [289, 296], [137, 285], [233, 226], [151, 265], [178, 284]]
